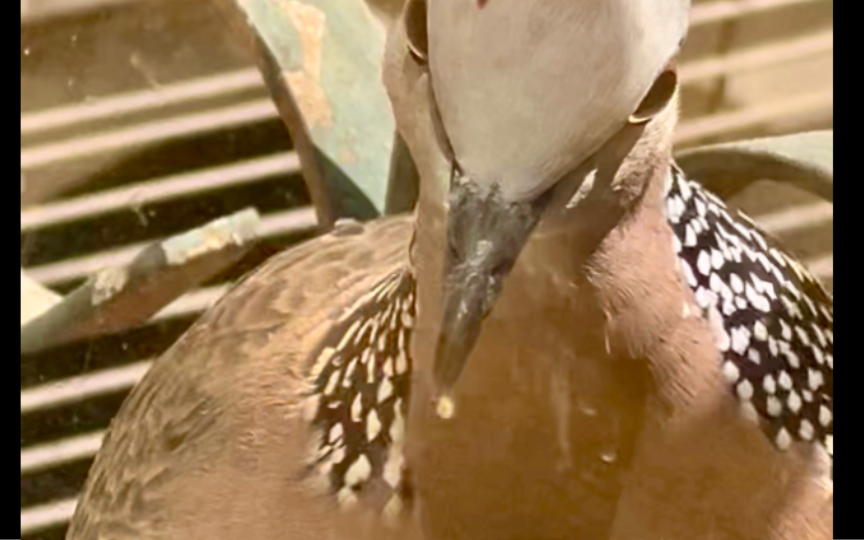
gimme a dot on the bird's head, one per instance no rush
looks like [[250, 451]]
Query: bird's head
[[530, 101]]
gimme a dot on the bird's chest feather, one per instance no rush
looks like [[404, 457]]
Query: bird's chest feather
[[545, 421]]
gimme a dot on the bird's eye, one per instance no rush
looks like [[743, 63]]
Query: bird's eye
[[657, 98], [414, 19]]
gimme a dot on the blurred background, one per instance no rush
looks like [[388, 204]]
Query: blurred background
[[141, 119]]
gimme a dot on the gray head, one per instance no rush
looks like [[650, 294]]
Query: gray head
[[527, 94], [529, 89]]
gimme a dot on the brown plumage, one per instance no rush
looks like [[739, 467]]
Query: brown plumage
[[606, 392], [214, 441], [603, 397]]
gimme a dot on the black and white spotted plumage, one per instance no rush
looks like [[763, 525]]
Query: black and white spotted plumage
[[359, 395], [773, 321]]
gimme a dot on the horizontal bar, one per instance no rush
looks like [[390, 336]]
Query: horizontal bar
[[159, 190], [84, 266], [756, 57], [149, 132], [34, 10], [823, 267], [35, 299], [45, 456], [81, 387], [286, 222], [723, 10], [37, 518], [797, 217], [112, 107], [716, 124], [192, 303]]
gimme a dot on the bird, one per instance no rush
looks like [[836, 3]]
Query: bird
[[606, 349], [568, 338]]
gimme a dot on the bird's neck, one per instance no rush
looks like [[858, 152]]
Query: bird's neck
[[639, 181], [627, 190], [544, 392]]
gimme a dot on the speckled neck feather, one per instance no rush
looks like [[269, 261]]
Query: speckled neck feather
[[773, 321]]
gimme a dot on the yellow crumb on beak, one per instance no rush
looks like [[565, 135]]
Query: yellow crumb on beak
[[445, 407]]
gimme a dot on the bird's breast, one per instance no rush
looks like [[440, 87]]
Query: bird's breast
[[543, 426]]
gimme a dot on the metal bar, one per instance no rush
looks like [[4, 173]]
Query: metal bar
[[823, 267], [200, 89], [288, 222], [37, 518], [81, 267], [692, 131], [118, 298], [35, 299], [159, 190], [44, 456], [757, 57], [35, 10], [150, 132], [193, 303], [797, 217], [721, 10], [81, 387]]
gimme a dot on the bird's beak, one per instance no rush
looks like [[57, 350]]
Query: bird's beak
[[485, 235]]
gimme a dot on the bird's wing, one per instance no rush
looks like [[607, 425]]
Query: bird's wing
[[282, 401]]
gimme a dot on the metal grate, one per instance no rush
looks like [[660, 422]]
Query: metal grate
[[176, 139]]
